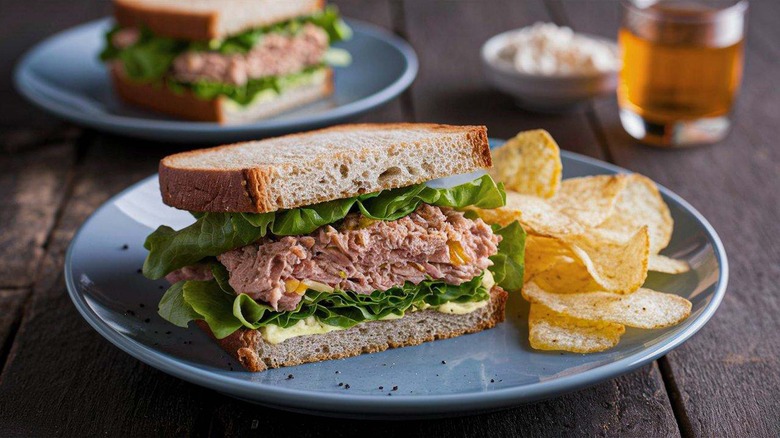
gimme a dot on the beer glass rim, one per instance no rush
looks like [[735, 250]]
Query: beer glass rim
[[738, 6]]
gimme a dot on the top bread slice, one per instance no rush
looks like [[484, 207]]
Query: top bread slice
[[202, 20], [318, 166]]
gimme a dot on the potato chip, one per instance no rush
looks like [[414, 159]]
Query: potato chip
[[590, 200], [565, 276], [590, 242], [548, 330], [502, 215], [542, 253], [667, 265], [540, 217], [640, 204], [644, 308], [530, 164], [619, 267]]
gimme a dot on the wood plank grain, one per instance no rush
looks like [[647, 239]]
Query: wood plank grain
[[32, 186], [61, 377], [634, 405], [22, 24], [11, 304], [450, 88], [726, 380]]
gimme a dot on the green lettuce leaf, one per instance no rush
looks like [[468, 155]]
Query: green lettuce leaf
[[213, 305], [245, 94], [329, 20], [150, 58], [226, 312], [509, 263], [215, 233], [174, 308]]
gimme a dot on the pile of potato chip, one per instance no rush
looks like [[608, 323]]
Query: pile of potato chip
[[591, 242]]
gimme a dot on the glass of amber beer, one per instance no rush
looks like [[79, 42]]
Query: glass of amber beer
[[682, 66]]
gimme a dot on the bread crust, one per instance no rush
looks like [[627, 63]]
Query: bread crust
[[159, 98], [205, 190], [185, 105], [244, 345], [186, 25]]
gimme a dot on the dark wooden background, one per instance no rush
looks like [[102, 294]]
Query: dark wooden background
[[61, 377]]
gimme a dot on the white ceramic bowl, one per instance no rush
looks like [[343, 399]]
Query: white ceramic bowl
[[545, 93]]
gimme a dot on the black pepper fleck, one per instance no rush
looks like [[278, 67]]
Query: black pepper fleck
[[290, 377], [148, 320], [444, 362], [346, 386], [341, 383], [168, 333], [381, 387], [389, 393], [492, 381], [161, 287], [138, 271], [338, 372], [125, 247], [395, 388], [141, 305]]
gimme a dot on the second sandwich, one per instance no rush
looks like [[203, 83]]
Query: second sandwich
[[224, 61]]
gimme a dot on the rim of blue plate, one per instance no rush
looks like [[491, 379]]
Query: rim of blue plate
[[25, 83], [425, 404]]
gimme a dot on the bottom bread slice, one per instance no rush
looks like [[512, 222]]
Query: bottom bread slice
[[255, 354], [222, 110]]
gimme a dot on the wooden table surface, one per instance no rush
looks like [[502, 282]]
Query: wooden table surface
[[60, 377]]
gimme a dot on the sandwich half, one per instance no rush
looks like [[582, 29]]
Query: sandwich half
[[226, 61], [331, 243]]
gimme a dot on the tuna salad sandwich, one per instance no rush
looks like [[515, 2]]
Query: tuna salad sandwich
[[330, 244], [224, 61]]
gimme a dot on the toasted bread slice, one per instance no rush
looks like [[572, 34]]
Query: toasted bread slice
[[255, 354], [202, 20], [303, 169], [221, 110]]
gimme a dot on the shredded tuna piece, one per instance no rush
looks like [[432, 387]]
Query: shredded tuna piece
[[362, 257], [124, 38], [274, 55], [194, 272]]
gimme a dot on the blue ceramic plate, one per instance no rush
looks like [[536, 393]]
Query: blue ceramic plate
[[484, 371], [64, 76]]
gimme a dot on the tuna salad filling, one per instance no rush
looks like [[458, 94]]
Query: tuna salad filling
[[339, 263], [242, 65], [431, 243]]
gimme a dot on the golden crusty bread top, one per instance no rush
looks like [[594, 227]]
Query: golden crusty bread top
[[202, 20], [318, 166]]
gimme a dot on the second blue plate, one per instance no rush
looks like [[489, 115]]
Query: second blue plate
[[63, 75]]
